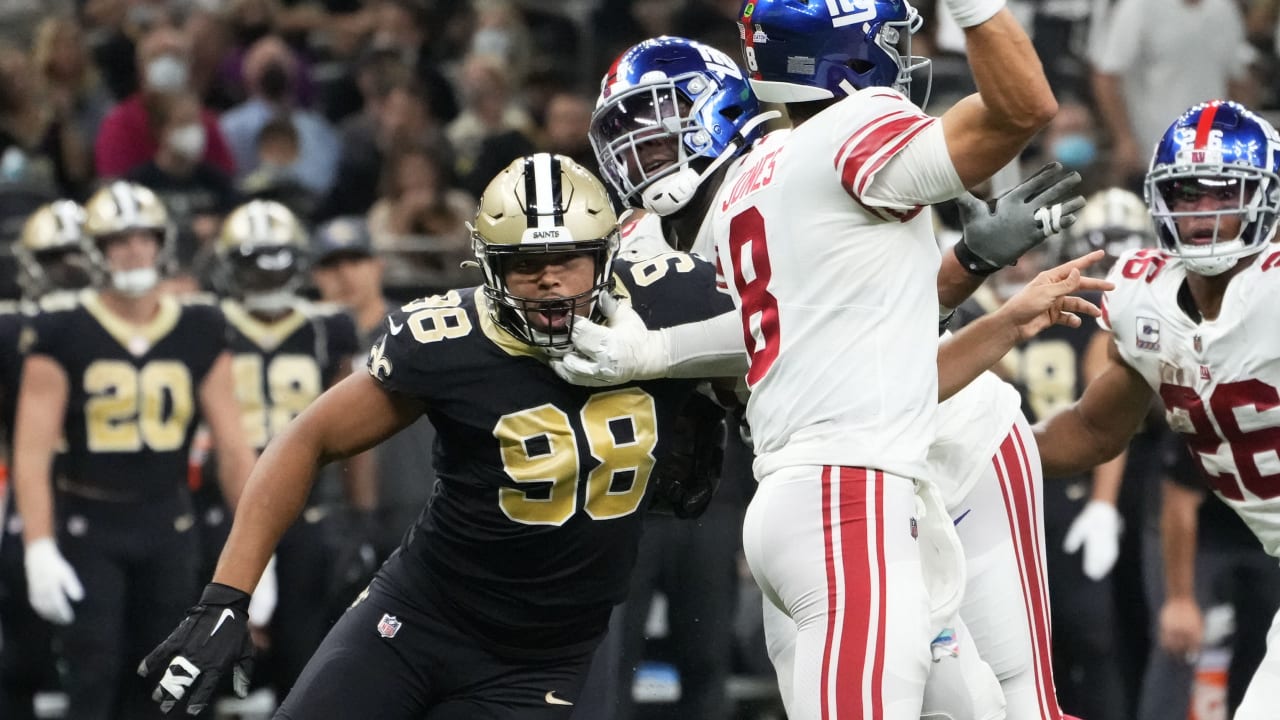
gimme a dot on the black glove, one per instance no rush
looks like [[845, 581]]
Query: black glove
[[996, 234], [686, 478], [214, 636], [353, 556]]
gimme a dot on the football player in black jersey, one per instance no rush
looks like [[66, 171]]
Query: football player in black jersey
[[285, 352], [50, 257], [495, 600], [122, 373]]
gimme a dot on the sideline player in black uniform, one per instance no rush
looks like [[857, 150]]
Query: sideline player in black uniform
[[120, 373], [494, 602], [285, 352], [50, 257]]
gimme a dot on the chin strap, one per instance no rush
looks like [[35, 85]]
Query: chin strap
[[670, 194]]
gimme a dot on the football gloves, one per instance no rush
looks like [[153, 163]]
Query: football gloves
[[996, 234], [1097, 529], [52, 584], [619, 350], [352, 547], [213, 638], [686, 477]]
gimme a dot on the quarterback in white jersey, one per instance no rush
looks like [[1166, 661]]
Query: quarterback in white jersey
[[663, 99], [826, 245], [1194, 324]]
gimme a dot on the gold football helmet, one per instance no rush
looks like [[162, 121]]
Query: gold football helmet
[[50, 250], [1114, 220], [123, 207], [261, 255], [542, 204]]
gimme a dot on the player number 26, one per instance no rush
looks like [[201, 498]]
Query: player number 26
[[539, 449]]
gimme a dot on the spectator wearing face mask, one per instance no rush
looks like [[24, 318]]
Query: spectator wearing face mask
[[127, 138], [196, 193], [1071, 139], [269, 71]]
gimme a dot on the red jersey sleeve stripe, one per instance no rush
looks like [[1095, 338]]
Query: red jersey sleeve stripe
[[895, 145], [869, 153], [866, 130]]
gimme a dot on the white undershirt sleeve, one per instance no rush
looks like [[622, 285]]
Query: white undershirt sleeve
[[710, 348]]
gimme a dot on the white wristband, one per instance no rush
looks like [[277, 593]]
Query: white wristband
[[968, 13]]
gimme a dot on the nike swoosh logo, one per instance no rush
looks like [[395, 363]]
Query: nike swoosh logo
[[395, 329], [553, 700], [962, 516], [226, 613]]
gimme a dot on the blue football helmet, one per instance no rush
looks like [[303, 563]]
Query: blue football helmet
[[804, 50], [1223, 151], [669, 88]]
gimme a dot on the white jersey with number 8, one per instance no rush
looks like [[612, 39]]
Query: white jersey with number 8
[[836, 287]]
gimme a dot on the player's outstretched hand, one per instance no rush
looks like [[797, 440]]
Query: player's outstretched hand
[[213, 638], [1047, 300], [996, 234], [618, 351]]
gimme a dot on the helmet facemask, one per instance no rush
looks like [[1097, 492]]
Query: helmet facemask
[[266, 278], [651, 145], [134, 282], [512, 311], [1208, 247]]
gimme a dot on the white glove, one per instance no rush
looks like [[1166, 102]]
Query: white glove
[[1097, 528], [52, 584], [619, 351], [262, 604]]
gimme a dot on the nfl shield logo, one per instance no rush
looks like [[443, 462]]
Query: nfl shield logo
[[1196, 342], [388, 626]]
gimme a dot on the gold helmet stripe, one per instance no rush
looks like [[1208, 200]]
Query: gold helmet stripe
[[259, 221]]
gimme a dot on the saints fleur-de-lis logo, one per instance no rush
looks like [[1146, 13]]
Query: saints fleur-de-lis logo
[[379, 365]]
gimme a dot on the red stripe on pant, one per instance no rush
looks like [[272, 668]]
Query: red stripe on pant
[[855, 618], [1017, 487]]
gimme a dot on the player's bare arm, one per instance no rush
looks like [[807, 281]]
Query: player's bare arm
[[222, 414], [1099, 425], [1045, 301], [42, 402], [986, 130], [1181, 627], [351, 417]]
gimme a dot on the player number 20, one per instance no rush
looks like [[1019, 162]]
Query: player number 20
[[130, 408], [539, 449]]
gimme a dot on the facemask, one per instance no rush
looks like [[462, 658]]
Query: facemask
[[135, 282], [166, 74], [491, 41], [1074, 150], [188, 141]]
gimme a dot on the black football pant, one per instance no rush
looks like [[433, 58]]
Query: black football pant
[[694, 563], [1085, 669], [394, 659], [137, 563], [26, 652]]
